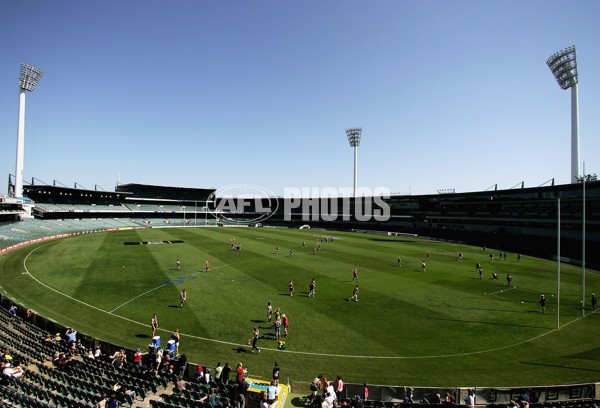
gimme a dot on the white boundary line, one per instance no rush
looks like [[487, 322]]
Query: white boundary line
[[306, 353]]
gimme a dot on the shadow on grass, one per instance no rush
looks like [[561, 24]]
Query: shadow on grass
[[510, 311], [560, 366], [242, 350], [142, 336], [592, 354], [175, 306], [299, 402], [494, 323]]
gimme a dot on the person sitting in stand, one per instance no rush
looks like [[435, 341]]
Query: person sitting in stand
[[200, 373]]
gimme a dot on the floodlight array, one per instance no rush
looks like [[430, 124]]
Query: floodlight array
[[30, 77], [563, 65], [353, 135]]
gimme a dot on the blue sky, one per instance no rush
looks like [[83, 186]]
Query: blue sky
[[450, 94]]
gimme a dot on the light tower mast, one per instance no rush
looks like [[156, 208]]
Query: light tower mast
[[30, 77], [563, 65], [353, 135]]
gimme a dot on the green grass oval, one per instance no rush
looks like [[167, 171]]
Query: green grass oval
[[442, 327]]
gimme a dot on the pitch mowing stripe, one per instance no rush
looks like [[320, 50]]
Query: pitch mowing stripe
[[306, 353], [163, 285]]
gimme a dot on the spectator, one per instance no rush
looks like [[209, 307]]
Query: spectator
[[57, 339], [225, 374], [129, 392], [339, 387], [356, 402], [524, 397], [137, 357], [13, 311], [119, 358], [408, 395], [158, 360], [239, 373], [324, 402], [180, 384], [71, 335], [101, 402], [199, 373], [16, 372], [272, 392], [166, 362], [533, 397], [113, 402], [80, 347], [330, 389], [328, 399], [314, 388], [211, 398], [470, 399], [218, 372], [242, 388], [263, 401], [56, 360], [276, 373]]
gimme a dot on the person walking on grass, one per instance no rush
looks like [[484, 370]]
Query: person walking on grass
[[182, 297], [154, 324], [254, 340], [285, 323], [269, 312], [543, 303], [354, 294]]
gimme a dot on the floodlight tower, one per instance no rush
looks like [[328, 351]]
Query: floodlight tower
[[30, 77], [563, 65], [353, 135]]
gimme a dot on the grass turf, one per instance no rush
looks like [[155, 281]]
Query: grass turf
[[442, 327]]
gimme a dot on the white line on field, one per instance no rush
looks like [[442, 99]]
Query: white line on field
[[502, 290]]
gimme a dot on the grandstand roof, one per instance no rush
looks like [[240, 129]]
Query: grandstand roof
[[148, 191]]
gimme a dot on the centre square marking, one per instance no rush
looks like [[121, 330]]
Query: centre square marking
[[176, 241]]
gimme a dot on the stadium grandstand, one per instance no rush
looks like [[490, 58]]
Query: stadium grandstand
[[60, 374], [520, 220]]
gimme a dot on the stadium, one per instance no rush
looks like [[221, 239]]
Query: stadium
[[168, 296], [125, 244]]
